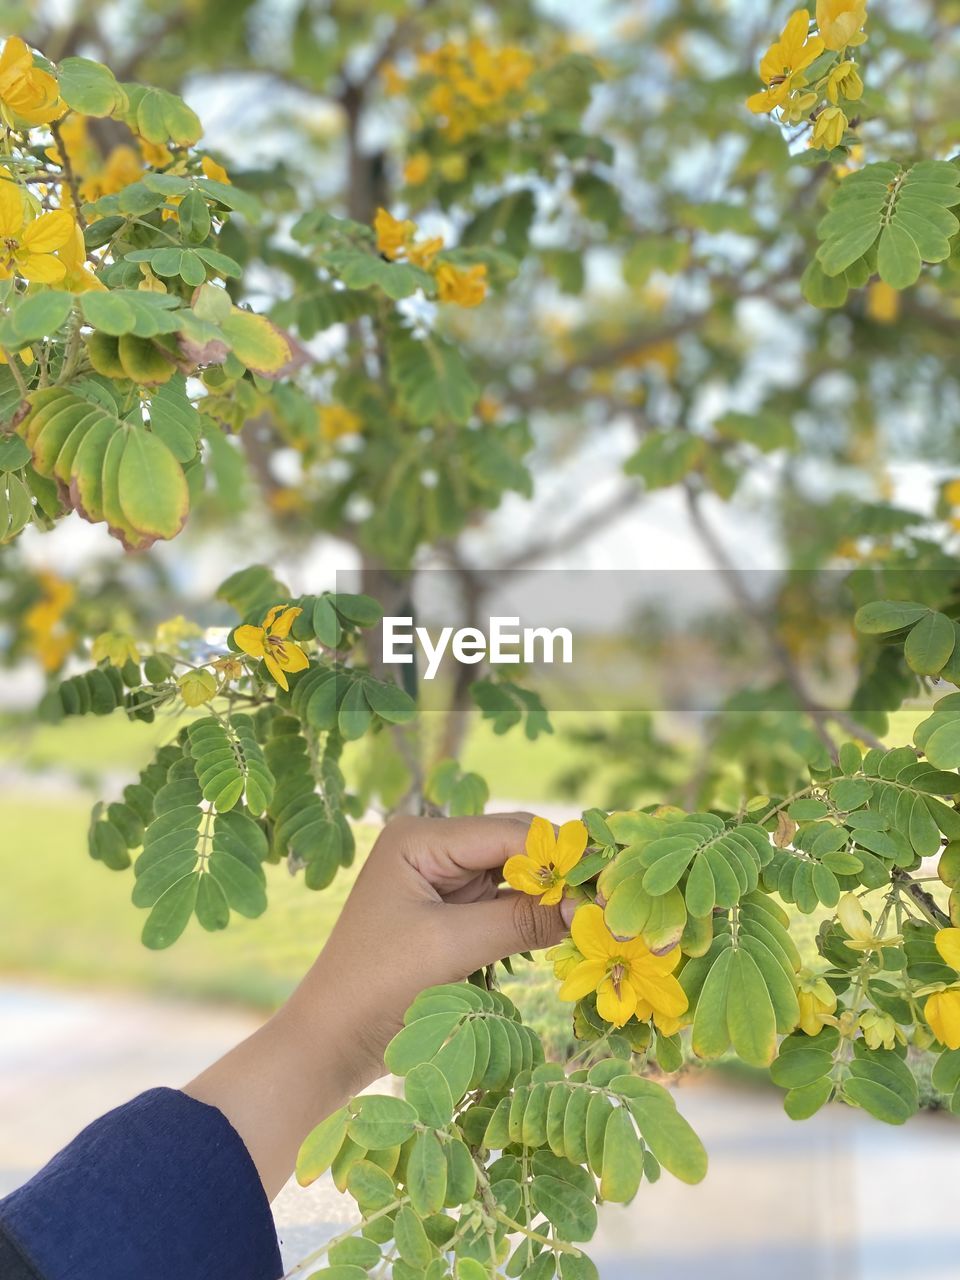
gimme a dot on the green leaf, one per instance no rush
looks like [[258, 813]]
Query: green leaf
[[321, 1145], [389, 701], [169, 917], [152, 487], [898, 259], [669, 1137], [361, 270], [930, 644], [420, 1040], [568, 1209], [371, 1186], [882, 616], [121, 311], [354, 716], [711, 1034], [412, 1243], [162, 117], [427, 1091], [38, 316], [381, 1122], [426, 1175], [14, 453], [89, 87], [194, 218], [622, 1159], [431, 378]]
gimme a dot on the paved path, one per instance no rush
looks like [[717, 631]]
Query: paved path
[[840, 1197]]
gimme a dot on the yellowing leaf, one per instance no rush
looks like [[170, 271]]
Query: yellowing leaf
[[197, 687], [256, 342]]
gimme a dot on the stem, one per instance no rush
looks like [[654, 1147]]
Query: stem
[[69, 175], [15, 373], [344, 1235]]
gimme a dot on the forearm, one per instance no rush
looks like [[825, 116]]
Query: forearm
[[275, 1086]]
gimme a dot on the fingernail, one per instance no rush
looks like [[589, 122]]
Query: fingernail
[[568, 909]]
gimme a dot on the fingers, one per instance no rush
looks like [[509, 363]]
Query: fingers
[[482, 932], [449, 852]]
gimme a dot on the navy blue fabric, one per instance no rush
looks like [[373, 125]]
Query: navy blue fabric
[[162, 1188]]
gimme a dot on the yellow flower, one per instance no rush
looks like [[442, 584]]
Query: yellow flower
[[854, 920], [177, 632], [116, 646], [27, 93], [942, 1011], [393, 82], [818, 1003], [782, 66], [951, 492], [883, 303], [948, 944], [548, 859], [423, 254], [628, 978], [271, 643], [465, 288], [840, 22], [417, 169], [337, 420], [844, 82], [122, 169], [215, 172], [798, 105], [393, 235], [154, 154], [879, 1029], [43, 624], [564, 957], [79, 278], [27, 244], [829, 128], [229, 668]]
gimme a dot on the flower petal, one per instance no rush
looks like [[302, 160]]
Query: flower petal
[[942, 1011], [282, 622], [275, 670], [520, 872], [665, 994], [571, 842], [48, 232], [250, 640], [291, 657], [42, 268], [552, 895], [948, 944], [591, 934], [541, 843], [614, 1007], [11, 209], [586, 977]]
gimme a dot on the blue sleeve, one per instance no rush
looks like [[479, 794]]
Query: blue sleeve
[[162, 1188]]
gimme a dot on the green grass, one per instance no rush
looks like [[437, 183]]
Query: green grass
[[66, 917]]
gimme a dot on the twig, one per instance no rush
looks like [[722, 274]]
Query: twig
[[68, 173], [930, 909], [15, 372]]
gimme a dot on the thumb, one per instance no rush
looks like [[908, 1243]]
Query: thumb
[[483, 932]]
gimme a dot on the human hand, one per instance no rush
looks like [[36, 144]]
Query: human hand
[[427, 908]]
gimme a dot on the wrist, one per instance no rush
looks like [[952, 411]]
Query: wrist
[[337, 1029]]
